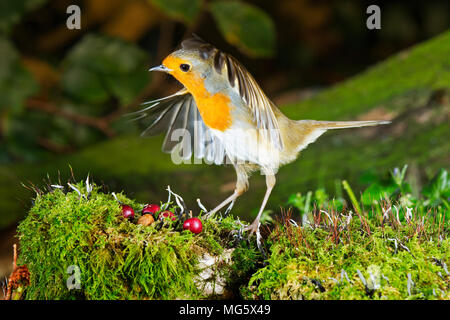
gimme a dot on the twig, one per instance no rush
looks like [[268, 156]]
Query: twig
[[9, 287], [98, 123], [15, 256]]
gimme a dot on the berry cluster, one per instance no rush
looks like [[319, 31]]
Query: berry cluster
[[153, 212]]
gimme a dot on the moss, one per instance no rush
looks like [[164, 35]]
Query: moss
[[117, 258], [406, 75], [395, 245], [370, 257]]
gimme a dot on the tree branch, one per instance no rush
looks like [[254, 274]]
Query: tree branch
[[100, 124]]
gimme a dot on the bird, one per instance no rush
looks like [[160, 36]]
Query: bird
[[222, 116]]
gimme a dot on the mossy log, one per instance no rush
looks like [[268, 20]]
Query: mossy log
[[411, 88], [77, 244]]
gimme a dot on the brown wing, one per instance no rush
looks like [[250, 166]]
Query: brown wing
[[178, 115], [239, 78]]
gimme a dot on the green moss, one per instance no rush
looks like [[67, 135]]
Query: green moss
[[398, 247], [394, 246], [409, 74], [117, 258]]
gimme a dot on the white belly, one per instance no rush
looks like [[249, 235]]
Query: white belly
[[249, 145]]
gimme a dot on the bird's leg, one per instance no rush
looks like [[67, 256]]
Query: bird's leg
[[231, 199], [241, 187], [270, 182], [229, 208]]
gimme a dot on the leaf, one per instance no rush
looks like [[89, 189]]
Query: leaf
[[245, 26], [373, 194], [99, 67], [320, 196], [84, 85], [12, 11], [297, 200], [16, 83], [439, 187], [266, 217], [182, 10]]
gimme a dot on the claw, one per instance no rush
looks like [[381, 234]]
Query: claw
[[229, 209], [253, 228], [238, 233]]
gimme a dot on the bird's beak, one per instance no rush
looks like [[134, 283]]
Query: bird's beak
[[161, 68]]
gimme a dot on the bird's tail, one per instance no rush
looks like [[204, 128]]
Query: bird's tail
[[307, 131], [345, 124]]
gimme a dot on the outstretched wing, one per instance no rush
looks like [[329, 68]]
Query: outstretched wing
[[262, 109], [186, 134], [259, 104]]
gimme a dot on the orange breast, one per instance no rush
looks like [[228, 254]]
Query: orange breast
[[215, 109]]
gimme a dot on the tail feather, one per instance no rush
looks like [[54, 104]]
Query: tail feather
[[307, 131], [347, 124]]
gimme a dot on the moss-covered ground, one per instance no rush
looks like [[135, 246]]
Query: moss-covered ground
[[363, 259], [390, 245], [385, 244], [116, 258]]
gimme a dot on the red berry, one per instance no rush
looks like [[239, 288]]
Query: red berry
[[187, 224], [127, 212], [151, 208], [193, 224], [167, 214]]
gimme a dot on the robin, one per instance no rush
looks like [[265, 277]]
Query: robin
[[226, 117]]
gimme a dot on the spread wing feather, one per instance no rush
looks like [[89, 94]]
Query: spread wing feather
[[259, 104], [179, 111], [239, 78]]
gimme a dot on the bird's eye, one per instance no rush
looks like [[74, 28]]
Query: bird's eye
[[185, 67]]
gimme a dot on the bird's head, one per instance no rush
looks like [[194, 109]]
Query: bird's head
[[191, 64]]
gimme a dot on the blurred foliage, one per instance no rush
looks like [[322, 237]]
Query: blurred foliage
[[77, 101], [12, 11], [184, 10], [62, 92], [100, 67], [415, 95], [393, 188], [16, 84], [245, 26], [119, 258]]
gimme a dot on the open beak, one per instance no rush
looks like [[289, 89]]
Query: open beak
[[161, 68]]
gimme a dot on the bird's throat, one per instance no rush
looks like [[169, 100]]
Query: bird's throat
[[215, 109]]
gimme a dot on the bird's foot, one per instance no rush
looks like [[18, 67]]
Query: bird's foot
[[210, 213], [253, 228], [237, 235], [214, 211]]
